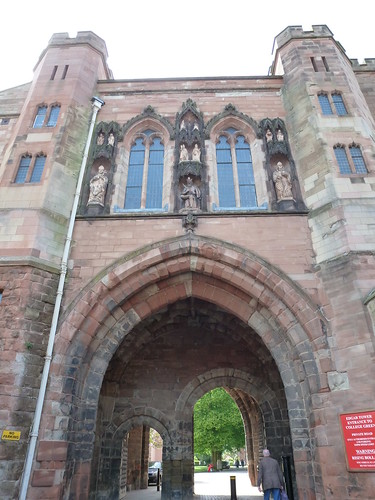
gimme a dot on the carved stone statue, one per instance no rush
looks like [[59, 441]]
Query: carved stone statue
[[190, 194], [196, 155], [183, 153], [111, 139], [98, 187], [283, 183], [196, 127], [280, 135], [100, 139], [269, 135], [183, 126]]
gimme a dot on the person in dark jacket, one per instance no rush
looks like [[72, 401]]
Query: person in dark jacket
[[270, 477]]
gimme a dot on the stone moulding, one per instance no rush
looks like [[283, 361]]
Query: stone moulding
[[189, 167], [231, 110], [149, 112]]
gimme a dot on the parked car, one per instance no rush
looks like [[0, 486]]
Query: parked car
[[153, 468], [225, 464]]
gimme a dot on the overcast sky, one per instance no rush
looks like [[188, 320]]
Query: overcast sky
[[166, 38]]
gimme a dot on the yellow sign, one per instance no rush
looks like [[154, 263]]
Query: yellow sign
[[11, 435]]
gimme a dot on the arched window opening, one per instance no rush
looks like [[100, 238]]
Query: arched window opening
[[144, 186], [353, 164], [53, 115], [236, 183], [154, 194], [30, 171], [40, 117], [225, 173], [135, 175]]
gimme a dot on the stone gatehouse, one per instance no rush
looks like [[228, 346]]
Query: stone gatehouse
[[161, 238]]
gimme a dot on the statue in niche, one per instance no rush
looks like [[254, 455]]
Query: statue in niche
[[196, 127], [183, 153], [98, 187], [280, 135], [191, 195], [269, 135], [183, 126], [196, 155], [100, 139], [111, 139], [283, 183]]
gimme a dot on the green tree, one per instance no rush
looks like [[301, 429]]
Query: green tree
[[218, 425]]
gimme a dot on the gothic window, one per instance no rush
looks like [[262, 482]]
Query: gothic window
[[53, 115], [40, 118], [357, 159], [236, 184], [352, 164], [28, 171], [328, 102], [339, 104], [37, 172], [325, 104], [144, 187]]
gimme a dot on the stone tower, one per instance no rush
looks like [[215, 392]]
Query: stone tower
[[47, 120]]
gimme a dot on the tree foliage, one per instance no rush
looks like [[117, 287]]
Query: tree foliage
[[218, 424], [155, 439]]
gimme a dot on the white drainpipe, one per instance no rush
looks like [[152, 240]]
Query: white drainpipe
[[96, 105]]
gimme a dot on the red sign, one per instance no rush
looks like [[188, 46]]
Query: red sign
[[359, 435]]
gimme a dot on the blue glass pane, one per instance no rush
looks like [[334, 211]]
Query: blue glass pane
[[342, 161], [38, 169], [223, 143], [135, 176], [156, 156], [358, 161], [138, 146], [225, 174], [154, 192], [148, 132], [133, 197], [137, 158], [248, 196], [39, 119], [245, 174], [339, 104], [325, 104], [224, 155], [54, 114], [22, 170]]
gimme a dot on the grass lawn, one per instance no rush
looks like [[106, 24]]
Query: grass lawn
[[200, 468]]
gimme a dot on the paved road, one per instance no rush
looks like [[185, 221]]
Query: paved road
[[210, 486]]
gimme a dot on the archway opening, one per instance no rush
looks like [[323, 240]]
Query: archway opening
[[167, 363], [219, 433]]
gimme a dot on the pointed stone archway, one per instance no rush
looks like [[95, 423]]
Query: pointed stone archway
[[115, 328]]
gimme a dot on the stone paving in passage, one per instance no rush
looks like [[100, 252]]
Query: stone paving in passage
[[209, 486]]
